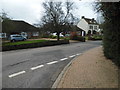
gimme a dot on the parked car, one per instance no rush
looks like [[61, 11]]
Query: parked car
[[17, 37], [55, 34]]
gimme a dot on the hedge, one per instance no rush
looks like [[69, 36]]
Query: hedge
[[111, 42], [111, 29], [95, 37], [79, 38], [33, 45]]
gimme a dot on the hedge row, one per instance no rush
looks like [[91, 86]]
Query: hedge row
[[33, 45], [111, 30]]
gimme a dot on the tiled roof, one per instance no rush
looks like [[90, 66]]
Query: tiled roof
[[91, 21], [18, 26]]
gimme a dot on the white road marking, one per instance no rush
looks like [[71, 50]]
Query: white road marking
[[63, 59], [78, 54], [52, 62], [16, 74], [33, 68], [72, 56]]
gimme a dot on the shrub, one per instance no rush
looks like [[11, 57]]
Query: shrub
[[37, 37], [45, 36], [95, 37], [79, 38], [66, 38], [54, 37]]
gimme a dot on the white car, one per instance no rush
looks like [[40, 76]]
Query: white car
[[17, 37], [55, 34]]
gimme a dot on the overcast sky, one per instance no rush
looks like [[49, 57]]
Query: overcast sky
[[31, 10]]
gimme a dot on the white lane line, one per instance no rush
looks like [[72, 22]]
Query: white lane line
[[79, 54], [33, 68], [52, 62], [63, 59], [16, 74], [72, 56]]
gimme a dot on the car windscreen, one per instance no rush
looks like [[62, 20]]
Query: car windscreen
[[17, 36]]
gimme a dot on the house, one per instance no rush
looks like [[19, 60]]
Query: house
[[19, 27], [77, 31], [90, 26]]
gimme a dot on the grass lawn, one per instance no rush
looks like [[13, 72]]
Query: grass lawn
[[23, 42]]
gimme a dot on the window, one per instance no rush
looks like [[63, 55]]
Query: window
[[36, 34], [91, 27], [95, 27]]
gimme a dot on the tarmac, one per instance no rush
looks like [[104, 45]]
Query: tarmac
[[89, 70]]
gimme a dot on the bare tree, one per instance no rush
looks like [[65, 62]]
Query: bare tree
[[4, 15], [57, 16]]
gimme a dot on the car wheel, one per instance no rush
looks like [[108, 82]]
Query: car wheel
[[24, 39], [13, 40]]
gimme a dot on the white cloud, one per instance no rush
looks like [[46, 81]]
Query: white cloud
[[31, 10], [85, 9]]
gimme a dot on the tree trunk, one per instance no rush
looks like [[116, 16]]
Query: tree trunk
[[58, 36]]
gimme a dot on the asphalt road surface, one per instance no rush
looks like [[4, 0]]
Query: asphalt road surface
[[39, 67]]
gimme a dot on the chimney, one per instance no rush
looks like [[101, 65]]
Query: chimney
[[93, 19], [83, 17]]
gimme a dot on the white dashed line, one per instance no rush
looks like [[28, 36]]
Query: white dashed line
[[16, 74], [63, 59], [33, 68], [52, 62], [72, 56]]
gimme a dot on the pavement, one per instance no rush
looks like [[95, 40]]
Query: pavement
[[89, 70]]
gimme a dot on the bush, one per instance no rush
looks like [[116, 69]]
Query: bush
[[95, 37], [45, 36], [67, 38], [37, 37], [54, 37], [79, 38]]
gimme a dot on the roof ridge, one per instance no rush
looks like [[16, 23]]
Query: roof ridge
[[90, 21]]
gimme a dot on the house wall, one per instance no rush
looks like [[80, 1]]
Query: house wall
[[83, 25], [93, 27], [35, 34]]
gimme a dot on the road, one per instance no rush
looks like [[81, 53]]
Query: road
[[39, 67]]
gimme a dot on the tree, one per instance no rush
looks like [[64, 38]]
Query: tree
[[56, 18], [4, 15], [111, 29], [5, 20]]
